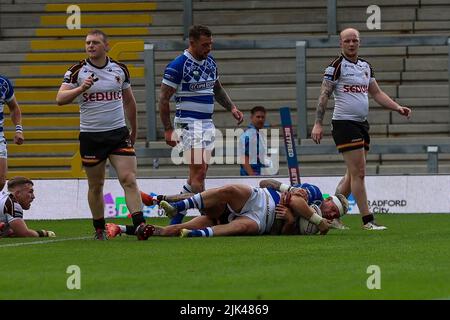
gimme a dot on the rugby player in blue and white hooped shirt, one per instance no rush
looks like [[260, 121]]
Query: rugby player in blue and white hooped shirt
[[7, 97], [193, 79], [351, 79]]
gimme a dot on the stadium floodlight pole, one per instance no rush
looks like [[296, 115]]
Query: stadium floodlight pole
[[302, 115], [150, 95], [187, 17], [331, 17]]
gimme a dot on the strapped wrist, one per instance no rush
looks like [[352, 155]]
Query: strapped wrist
[[285, 188], [42, 233], [316, 219], [19, 128]]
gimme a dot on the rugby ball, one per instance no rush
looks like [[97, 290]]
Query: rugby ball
[[308, 228]]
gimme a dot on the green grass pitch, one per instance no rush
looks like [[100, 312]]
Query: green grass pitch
[[413, 256]]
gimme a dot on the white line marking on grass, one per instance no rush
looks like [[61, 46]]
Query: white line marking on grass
[[41, 242]]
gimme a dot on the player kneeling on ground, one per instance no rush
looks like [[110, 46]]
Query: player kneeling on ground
[[12, 203]]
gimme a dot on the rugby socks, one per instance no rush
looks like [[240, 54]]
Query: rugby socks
[[206, 232], [178, 218], [99, 223], [186, 188], [367, 219], [195, 202], [129, 230], [138, 218]]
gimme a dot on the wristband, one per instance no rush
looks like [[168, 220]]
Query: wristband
[[284, 187], [19, 128], [316, 219], [41, 233]]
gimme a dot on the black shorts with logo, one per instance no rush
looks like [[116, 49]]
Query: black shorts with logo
[[95, 147], [350, 135]]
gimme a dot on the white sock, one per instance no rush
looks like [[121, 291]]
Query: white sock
[[186, 188]]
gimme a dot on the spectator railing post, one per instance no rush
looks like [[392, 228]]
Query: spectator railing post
[[187, 17], [331, 15], [432, 163], [150, 95], [302, 114]]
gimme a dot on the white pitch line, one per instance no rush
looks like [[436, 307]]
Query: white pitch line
[[41, 242]]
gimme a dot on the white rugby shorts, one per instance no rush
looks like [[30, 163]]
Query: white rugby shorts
[[198, 134], [3, 150], [260, 207]]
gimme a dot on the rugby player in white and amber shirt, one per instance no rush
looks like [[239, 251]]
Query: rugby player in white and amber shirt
[[103, 89], [19, 197], [351, 79]]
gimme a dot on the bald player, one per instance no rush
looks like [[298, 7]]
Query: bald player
[[351, 79]]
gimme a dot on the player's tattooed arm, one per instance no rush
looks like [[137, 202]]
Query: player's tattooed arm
[[164, 106], [270, 183], [222, 97], [326, 90]]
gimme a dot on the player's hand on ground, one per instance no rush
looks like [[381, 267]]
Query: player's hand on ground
[[171, 137], [284, 213], [301, 193], [48, 233], [324, 226], [317, 133], [18, 138], [51, 234], [404, 111], [238, 115]]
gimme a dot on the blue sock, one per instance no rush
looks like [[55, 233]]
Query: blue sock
[[195, 202], [206, 232], [178, 218]]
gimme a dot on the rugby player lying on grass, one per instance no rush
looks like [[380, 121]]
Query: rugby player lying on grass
[[238, 209], [12, 203]]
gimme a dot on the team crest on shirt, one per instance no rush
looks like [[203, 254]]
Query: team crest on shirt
[[366, 74], [118, 79], [196, 75]]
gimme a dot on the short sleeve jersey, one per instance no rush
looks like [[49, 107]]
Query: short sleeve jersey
[[6, 95], [352, 79], [314, 194], [10, 210], [194, 83], [101, 106]]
